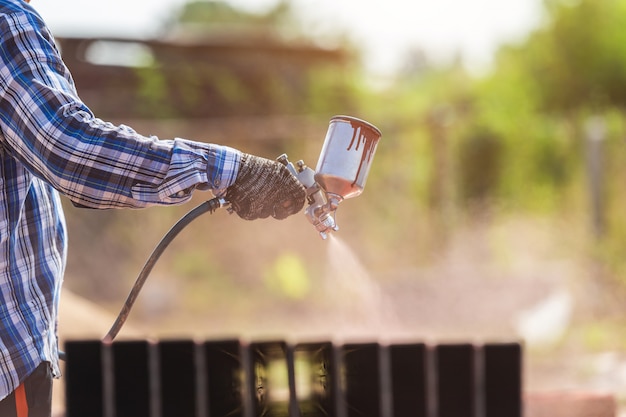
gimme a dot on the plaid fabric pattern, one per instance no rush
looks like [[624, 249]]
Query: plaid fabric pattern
[[51, 144]]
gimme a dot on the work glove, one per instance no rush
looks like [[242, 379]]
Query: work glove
[[265, 188]]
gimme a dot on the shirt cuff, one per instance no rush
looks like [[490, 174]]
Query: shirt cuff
[[222, 168]]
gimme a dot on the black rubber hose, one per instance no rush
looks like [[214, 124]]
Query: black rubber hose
[[208, 206]]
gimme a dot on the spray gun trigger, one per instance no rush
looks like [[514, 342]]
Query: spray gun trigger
[[283, 159]]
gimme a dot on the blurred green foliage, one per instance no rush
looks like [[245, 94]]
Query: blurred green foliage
[[517, 134], [288, 277], [578, 59]]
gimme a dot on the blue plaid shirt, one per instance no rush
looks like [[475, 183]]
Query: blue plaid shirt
[[51, 143]]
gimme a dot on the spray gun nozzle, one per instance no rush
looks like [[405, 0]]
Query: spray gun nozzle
[[322, 219], [329, 226]]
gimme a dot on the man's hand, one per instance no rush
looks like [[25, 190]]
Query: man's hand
[[265, 188]]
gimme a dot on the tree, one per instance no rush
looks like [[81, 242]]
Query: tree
[[578, 59]]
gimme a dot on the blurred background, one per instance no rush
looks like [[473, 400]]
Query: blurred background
[[493, 208]]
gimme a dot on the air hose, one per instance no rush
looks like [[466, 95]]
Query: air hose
[[208, 206]]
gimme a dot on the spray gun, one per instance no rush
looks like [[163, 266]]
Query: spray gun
[[341, 171]]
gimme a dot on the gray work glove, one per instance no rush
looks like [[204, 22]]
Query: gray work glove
[[265, 188]]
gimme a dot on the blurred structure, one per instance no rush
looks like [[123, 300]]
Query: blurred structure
[[194, 78]]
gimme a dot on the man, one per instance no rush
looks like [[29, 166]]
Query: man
[[51, 144]]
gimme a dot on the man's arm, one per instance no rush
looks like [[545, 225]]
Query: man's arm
[[46, 127]]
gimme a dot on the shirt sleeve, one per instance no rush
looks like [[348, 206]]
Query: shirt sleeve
[[45, 125]]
